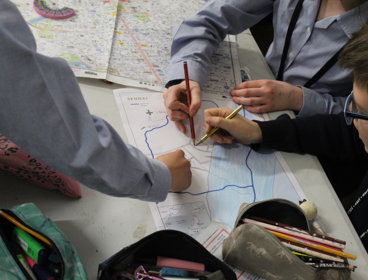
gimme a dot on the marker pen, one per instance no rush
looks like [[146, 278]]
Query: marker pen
[[40, 272], [21, 258], [34, 249]]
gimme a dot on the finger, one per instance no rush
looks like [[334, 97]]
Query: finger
[[248, 101], [181, 126], [249, 92], [219, 122], [196, 101], [172, 99], [178, 116], [250, 84], [177, 106], [258, 109], [208, 127], [222, 139], [171, 94], [179, 152]]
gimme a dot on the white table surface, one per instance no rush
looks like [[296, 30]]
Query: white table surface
[[99, 225]]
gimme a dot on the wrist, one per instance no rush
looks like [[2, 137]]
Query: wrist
[[296, 98], [257, 135], [253, 134]]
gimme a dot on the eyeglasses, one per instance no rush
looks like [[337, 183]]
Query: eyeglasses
[[351, 111]]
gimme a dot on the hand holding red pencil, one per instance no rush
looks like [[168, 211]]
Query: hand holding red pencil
[[175, 99]]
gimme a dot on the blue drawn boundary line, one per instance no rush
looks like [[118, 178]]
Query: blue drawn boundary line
[[227, 186], [145, 135], [210, 191]]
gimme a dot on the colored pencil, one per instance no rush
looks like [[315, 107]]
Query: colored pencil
[[309, 258], [30, 231], [313, 245], [311, 252], [332, 265], [187, 85], [324, 239]]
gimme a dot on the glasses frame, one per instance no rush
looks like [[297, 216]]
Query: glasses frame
[[349, 115]]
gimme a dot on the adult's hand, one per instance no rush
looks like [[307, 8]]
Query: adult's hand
[[242, 129], [261, 96], [176, 102], [179, 168]]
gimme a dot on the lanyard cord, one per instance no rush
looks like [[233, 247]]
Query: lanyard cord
[[357, 201], [322, 71], [361, 198], [294, 18]]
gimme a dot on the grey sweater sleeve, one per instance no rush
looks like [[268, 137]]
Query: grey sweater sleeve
[[43, 111]]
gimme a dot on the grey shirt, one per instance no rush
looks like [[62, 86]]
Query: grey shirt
[[312, 45], [43, 111]]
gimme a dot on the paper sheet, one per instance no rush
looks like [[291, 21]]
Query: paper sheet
[[224, 176]]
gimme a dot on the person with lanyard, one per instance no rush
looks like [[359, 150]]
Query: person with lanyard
[[43, 111], [341, 137], [308, 36]]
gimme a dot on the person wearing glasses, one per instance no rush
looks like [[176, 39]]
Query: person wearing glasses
[[308, 36], [43, 111], [340, 137]]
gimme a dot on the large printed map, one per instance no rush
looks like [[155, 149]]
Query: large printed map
[[142, 40], [224, 176], [83, 40], [126, 42]]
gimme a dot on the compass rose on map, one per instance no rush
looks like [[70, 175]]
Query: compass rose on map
[[50, 9]]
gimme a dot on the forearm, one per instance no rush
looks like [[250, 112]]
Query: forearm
[[43, 111], [321, 135], [197, 38]]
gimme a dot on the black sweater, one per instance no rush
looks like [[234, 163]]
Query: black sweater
[[339, 149]]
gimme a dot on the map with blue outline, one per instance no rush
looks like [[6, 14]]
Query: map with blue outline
[[224, 176]]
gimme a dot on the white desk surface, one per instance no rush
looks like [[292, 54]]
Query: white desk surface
[[100, 225]]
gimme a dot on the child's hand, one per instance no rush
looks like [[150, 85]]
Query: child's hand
[[179, 167], [175, 98], [243, 130], [261, 96]]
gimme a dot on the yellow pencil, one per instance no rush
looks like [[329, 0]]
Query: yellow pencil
[[313, 245], [30, 231], [213, 130]]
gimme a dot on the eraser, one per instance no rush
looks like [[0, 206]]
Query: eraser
[[170, 271], [177, 263]]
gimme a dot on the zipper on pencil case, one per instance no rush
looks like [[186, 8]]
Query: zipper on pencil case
[[13, 219]]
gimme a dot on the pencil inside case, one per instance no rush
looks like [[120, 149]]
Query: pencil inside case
[[45, 250], [25, 247], [252, 248]]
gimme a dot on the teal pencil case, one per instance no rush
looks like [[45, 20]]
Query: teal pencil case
[[33, 247]]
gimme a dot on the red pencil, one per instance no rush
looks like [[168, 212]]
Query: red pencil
[[191, 122]]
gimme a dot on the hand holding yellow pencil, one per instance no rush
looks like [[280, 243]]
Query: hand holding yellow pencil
[[242, 129], [213, 130]]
